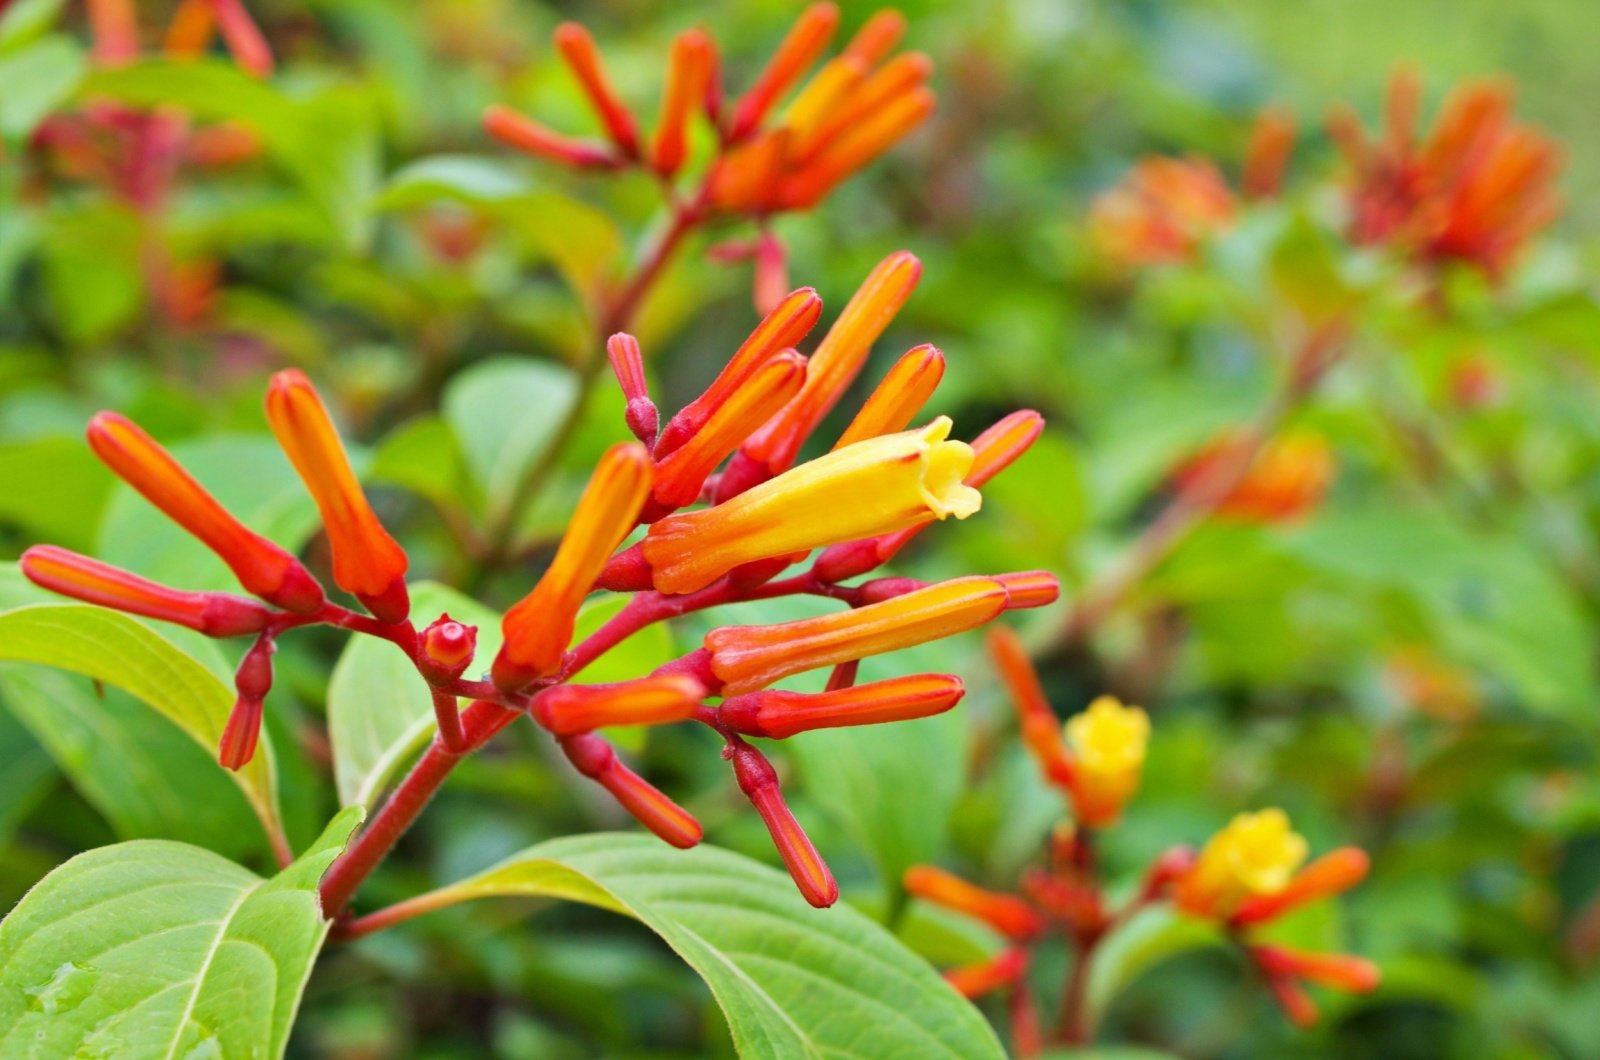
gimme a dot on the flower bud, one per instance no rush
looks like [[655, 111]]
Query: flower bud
[[70, 574], [837, 361], [628, 363], [1029, 588], [1108, 745], [1006, 913], [746, 176], [447, 647], [898, 399], [1340, 971], [854, 147], [1333, 873], [1271, 143], [877, 37], [805, 42], [538, 629], [746, 658], [897, 78], [822, 96], [1294, 1001], [367, 562], [759, 782], [243, 37], [779, 715], [570, 709], [1041, 732], [252, 681], [578, 50], [1256, 854], [985, 977], [114, 26], [688, 75], [592, 756], [872, 487], [524, 134]]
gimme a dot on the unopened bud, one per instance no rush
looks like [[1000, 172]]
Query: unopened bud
[[976, 980], [447, 649], [595, 758], [759, 782]]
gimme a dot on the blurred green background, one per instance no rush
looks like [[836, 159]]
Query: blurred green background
[[425, 278]]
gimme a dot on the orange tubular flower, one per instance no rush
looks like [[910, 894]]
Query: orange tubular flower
[[854, 147], [897, 400], [782, 328], [70, 574], [1256, 855], [759, 782], [681, 474], [1334, 873], [525, 134], [1476, 190], [578, 49], [688, 75], [190, 31], [538, 629], [897, 79], [1161, 212], [745, 658], [114, 25], [1337, 970], [804, 44], [367, 562], [1287, 481], [1271, 144], [262, 567], [872, 487], [837, 362], [1006, 913], [779, 715], [1029, 588], [1041, 731], [595, 759], [976, 980], [877, 38], [570, 709]]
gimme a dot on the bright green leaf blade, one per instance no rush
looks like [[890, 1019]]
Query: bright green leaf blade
[[380, 712], [505, 412], [118, 650], [423, 456], [25, 20], [461, 178], [1154, 935], [37, 78], [794, 981], [158, 949]]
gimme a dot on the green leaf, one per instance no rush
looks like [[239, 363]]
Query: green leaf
[[38, 78], [144, 775], [505, 412], [91, 271], [1152, 936], [423, 456], [461, 178], [25, 21], [25, 774], [380, 712], [118, 650], [158, 949], [55, 489], [793, 981]]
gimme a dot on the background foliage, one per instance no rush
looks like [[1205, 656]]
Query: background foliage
[[428, 281]]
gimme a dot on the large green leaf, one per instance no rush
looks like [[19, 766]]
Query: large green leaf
[[38, 77], [380, 712], [158, 949], [120, 651], [505, 412], [794, 981]]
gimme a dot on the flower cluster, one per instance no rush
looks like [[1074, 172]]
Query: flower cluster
[[1284, 481], [1247, 875], [882, 483], [765, 161]]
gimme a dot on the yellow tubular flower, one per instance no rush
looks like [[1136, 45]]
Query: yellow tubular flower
[[1256, 854], [873, 487], [1108, 741]]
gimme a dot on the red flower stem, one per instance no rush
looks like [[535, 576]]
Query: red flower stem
[[1075, 1029], [447, 714], [1199, 499], [480, 722]]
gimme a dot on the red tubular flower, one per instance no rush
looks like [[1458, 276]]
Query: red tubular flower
[[1341, 971], [538, 629], [70, 574], [595, 759], [578, 49], [779, 715], [771, 272], [644, 420], [567, 710], [262, 567], [759, 782], [897, 400], [975, 980], [1271, 144], [683, 471], [877, 37], [252, 681], [525, 134], [1006, 913], [114, 25], [746, 658], [1041, 730], [1294, 1001], [783, 328], [1334, 873], [367, 562], [837, 362], [688, 75], [1161, 212], [804, 44], [243, 37]]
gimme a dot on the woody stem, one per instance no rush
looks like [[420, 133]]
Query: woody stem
[[1198, 499]]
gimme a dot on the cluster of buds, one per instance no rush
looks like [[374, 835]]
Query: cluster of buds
[[766, 160], [882, 483], [1474, 190], [1246, 876], [1283, 482]]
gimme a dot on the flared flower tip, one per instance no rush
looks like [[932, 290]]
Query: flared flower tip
[[367, 561], [945, 466], [1256, 854], [1108, 743]]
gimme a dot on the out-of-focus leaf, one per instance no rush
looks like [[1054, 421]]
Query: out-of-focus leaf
[[583, 241], [154, 949], [792, 980], [37, 78], [116, 649], [1152, 936], [54, 489], [1305, 271], [380, 712], [25, 21], [424, 456], [505, 412], [25, 774], [91, 271], [461, 178]]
